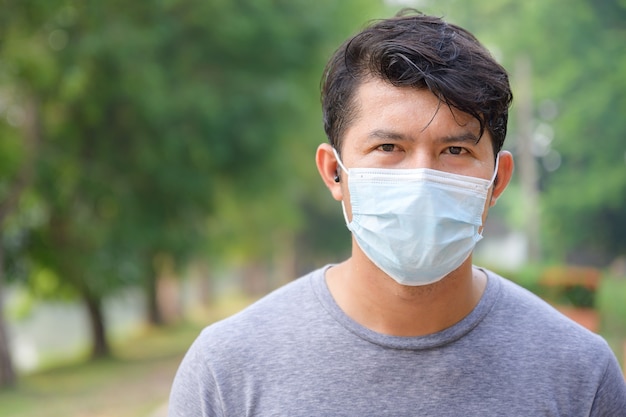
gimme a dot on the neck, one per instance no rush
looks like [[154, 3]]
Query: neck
[[376, 301]]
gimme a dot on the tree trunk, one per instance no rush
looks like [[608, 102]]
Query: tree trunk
[[155, 317], [529, 177], [31, 130], [7, 372], [100, 345]]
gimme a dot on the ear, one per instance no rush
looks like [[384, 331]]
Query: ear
[[328, 168], [505, 172]]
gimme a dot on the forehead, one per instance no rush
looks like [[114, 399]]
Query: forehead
[[381, 106]]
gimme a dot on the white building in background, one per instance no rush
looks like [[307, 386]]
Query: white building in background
[[58, 331], [501, 247]]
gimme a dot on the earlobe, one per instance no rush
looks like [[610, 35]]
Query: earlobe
[[328, 168]]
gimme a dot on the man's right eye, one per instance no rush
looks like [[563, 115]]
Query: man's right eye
[[387, 147]]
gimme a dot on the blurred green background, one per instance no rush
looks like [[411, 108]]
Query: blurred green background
[[157, 173]]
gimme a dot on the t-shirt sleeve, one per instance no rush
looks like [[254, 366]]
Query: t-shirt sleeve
[[610, 398], [194, 392]]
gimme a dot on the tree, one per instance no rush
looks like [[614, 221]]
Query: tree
[[148, 110], [21, 137], [585, 198]]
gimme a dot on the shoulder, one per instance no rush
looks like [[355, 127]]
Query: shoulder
[[542, 329], [266, 320], [528, 312], [226, 353], [529, 338]]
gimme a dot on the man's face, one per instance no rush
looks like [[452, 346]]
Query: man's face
[[408, 128]]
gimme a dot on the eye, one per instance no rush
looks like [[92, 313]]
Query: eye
[[387, 147], [456, 150]]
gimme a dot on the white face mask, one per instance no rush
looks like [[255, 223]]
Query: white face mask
[[416, 225]]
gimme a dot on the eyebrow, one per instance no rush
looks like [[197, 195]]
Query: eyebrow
[[463, 137], [397, 136], [387, 134]]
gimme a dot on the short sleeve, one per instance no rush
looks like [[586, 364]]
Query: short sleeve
[[194, 392]]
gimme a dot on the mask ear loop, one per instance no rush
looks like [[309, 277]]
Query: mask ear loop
[[479, 235], [495, 171], [343, 206], [343, 168]]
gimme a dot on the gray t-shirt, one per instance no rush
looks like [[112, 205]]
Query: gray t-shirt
[[295, 353]]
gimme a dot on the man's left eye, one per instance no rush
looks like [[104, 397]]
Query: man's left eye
[[455, 150]]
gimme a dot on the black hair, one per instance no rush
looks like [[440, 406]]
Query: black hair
[[423, 52]]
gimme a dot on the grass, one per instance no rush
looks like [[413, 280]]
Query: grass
[[135, 382]]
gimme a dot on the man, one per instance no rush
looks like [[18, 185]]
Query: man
[[416, 113]]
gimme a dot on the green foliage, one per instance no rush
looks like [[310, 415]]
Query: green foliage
[[173, 128], [163, 125], [20, 305], [571, 295], [10, 154], [162, 117], [586, 198], [611, 302], [527, 276]]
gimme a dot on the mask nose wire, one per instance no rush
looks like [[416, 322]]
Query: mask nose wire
[[343, 168]]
